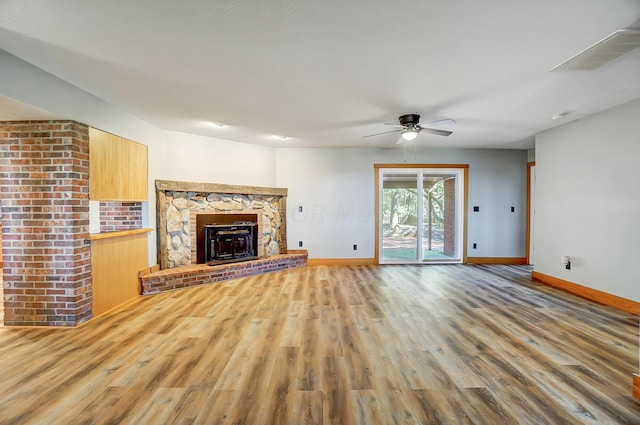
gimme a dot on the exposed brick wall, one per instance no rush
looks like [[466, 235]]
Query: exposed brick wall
[[116, 216], [1, 267], [449, 217], [200, 274], [45, 207]]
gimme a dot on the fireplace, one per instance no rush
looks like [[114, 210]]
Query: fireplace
[[226, 238], [226, 243], [180, 208]]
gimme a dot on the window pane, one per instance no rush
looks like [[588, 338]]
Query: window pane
[[439, 217], [399, 217]]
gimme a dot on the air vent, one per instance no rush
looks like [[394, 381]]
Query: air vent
[[604, 51]]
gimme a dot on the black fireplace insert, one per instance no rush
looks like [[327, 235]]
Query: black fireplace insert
[[226, 243]]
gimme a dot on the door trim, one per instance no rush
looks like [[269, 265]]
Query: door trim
[[529, 206]]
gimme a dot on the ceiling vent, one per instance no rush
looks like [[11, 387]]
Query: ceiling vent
[[604, 51]]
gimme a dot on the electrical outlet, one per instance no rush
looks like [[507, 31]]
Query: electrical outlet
[[300, 244], [475, 245], [355, 247]]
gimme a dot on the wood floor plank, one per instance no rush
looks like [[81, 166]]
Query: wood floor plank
[[188, 405], [307, 408], [367, 410], [159, 407], [238, 365], [355, 354], [292, 333], [337, 403], [442, 344], [331, 342], [217, 408], [444, 406], [280, 391], [486, 408], [309, 368]]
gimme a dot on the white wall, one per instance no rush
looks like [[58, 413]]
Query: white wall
[[192, 158], [588, 201], [336, 189]]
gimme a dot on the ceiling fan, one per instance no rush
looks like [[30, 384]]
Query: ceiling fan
[[410, 126]]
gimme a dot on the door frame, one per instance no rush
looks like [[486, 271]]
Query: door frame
[[530, 209], [376, 175]]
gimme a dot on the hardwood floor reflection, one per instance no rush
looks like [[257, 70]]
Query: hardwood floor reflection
[[334, 345]]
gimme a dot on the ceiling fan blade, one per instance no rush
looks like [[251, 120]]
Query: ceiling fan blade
[[386, 132], [437, 132], [446, 121]]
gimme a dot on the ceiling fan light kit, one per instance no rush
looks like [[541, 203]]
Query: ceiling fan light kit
[[409, 134], [409, 119], [409, 126]]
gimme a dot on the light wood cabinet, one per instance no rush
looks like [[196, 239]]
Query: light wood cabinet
[[118, 168], [116, 259]]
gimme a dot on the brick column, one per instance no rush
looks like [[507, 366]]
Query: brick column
[[449, 217], [44, 178], [1, 267]]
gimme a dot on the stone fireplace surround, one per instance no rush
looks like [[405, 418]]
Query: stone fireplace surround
[[269, 204], [179, 203]]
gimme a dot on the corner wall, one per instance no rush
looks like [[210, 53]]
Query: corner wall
[[588, 201]]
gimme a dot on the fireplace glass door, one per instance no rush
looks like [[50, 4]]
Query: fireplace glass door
[[229, 242], [421, 216]]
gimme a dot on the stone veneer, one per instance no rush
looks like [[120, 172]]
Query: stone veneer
[[179, 203], [45, 219]]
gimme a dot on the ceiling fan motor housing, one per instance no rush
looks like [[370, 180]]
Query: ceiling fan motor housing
[[409, 119]]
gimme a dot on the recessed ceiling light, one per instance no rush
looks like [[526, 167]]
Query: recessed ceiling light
[[282, 136], [559, 116], [219, 124]]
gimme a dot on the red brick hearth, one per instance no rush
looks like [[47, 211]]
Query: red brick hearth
[[200, 274]]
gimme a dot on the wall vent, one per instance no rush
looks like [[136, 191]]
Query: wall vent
[[604, 51]]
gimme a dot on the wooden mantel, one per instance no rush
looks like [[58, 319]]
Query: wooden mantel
[[169, 185]]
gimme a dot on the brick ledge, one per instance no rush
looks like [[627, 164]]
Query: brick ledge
[[200, 274]]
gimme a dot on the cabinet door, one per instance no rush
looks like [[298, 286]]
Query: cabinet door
[[117, 168], [115, 263]]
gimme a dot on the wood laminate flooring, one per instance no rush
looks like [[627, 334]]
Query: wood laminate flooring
[[442, 344]]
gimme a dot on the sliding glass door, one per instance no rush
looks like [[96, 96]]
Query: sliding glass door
[[420, 215]]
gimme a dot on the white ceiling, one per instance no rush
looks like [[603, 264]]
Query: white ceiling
[[326, 73]]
